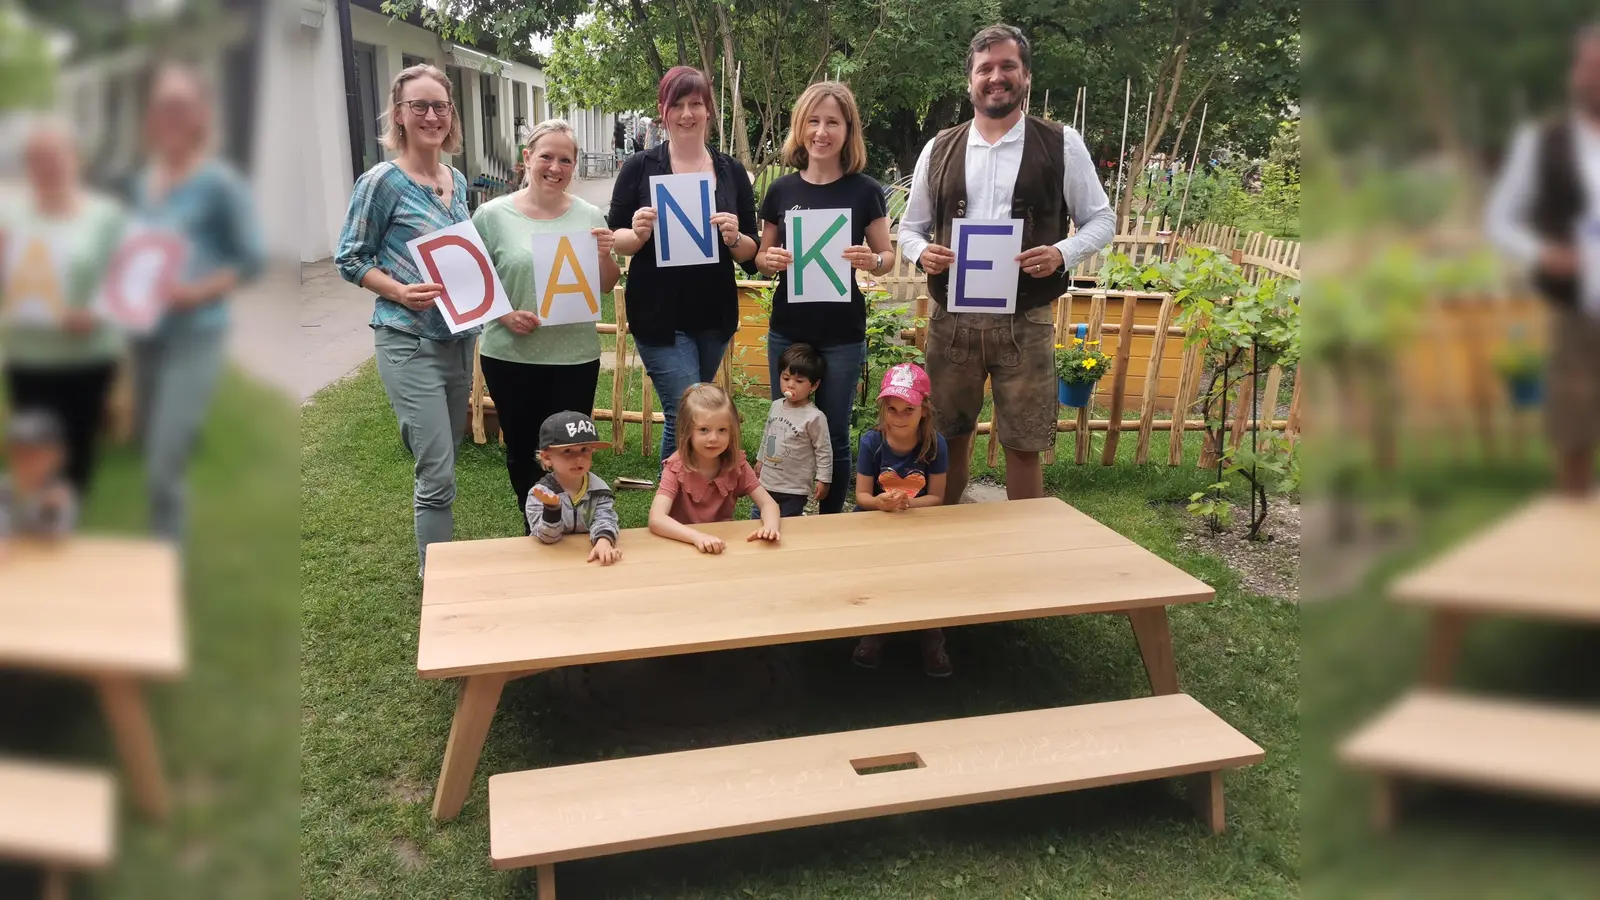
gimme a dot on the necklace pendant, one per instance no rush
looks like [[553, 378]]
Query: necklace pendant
[[438, 190]]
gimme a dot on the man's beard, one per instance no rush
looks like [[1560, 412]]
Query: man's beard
[[998, 109]]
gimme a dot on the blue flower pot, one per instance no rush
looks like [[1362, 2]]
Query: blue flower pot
[[1527, 390], [1074, 394]]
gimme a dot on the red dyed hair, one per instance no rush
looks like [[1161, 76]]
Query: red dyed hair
[[680, 82]]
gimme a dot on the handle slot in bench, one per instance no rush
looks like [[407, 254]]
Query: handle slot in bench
[[894, 762]]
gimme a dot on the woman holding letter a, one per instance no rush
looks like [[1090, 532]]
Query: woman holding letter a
[[426, 370], [682, 317], [825, 143], [534, 370]]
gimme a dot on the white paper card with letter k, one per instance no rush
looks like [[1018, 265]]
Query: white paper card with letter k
[[683, 205], [984, 276], [819, 272], [456, 258]]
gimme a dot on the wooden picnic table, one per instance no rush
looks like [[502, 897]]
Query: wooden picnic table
[[493, 610], [106, 610], [1541, 564]]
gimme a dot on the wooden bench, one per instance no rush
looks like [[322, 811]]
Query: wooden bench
[[58, 817], [1509, 745], [545, 816]]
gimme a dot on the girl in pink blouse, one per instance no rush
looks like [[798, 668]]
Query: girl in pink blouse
[[703, 478]]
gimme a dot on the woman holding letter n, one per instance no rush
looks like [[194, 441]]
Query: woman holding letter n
[[682, 316], [426, 370], [826, 145], [534, 370]]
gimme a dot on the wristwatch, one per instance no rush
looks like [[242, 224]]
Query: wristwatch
[[877, 262]]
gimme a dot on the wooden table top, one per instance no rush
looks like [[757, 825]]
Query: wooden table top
[[56, 815], [513, 604], [92, 605], [1542, 562]]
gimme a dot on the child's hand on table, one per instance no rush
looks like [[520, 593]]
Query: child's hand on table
[[892, 501], [543, 495], [706, 543], [604, 551], [764, 533]]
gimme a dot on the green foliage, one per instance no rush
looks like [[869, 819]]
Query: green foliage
[[1081, 362], [617, 79], [885, 349], [27, 68], [1212, 503], [1519, 358]]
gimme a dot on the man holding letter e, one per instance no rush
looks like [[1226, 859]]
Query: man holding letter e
[[1002, 165]]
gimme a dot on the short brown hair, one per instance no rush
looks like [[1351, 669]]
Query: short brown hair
[[996, 34], [680, 82], [394, 136], [853, 155]]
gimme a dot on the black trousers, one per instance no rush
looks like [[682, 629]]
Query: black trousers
[[76, 396], [524, 396]]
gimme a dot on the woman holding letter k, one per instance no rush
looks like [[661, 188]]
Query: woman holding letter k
[[425, 367], [534, 369], [825, 143]]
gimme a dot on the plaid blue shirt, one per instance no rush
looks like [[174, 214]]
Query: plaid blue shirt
[[388, 209]]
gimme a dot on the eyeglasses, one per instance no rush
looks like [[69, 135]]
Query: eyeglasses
[[441, 108]]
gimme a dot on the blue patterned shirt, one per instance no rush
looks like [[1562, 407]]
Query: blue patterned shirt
[[388, 209]]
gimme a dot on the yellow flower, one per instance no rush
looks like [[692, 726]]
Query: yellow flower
[[1092, 343], [1061, 346], [1077, 341], [1088, 362]]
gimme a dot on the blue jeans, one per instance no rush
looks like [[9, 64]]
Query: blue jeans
[[836, 399], [672, 368]]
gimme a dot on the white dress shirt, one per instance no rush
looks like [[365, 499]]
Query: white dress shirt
[[1508, 215], [991, 179]]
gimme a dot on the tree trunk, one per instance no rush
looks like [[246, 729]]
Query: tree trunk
[[741, 139], [1168, 80], [640, 20]]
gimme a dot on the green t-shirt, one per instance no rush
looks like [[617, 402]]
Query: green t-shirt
[[90, 236], [509, 236]]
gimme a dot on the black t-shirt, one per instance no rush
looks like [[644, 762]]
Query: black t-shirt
[[823, 324]]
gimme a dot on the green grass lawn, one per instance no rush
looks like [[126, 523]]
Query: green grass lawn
[[226, 731], [373, 733]]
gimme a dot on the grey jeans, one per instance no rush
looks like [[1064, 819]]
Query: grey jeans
[[175, 376], [428, 383]]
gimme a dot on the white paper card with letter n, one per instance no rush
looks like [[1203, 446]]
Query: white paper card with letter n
[[456, 258], [683, 233], [819, 272], [984, 276]]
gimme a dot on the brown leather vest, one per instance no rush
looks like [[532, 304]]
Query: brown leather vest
[[1558, 204], [1036, 200]]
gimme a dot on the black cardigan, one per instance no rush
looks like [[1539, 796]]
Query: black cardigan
[[661, 302]]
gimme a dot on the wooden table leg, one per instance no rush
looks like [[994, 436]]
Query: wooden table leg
[[135, 738], [55, 885], [1446, 628], [475, 707], [547, 882], [1155, 645]]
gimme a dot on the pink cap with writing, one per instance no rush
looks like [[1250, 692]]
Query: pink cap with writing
[[907, 381]]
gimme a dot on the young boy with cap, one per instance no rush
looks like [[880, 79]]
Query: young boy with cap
[[35, 498], [570, 498]]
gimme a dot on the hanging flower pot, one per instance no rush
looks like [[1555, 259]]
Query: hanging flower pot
[[1079, 365], [1074, 394], [1525, 390]]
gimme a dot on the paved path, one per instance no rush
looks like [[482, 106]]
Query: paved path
[[334, 338]]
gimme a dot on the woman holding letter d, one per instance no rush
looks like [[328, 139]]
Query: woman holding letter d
[[534, 370], [825, 144], [426, 370], [682, 317]]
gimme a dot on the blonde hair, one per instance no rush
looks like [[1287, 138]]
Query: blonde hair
[[853, 155], [927, 437], [699, 401], [532, 136], [205, 97], [394, 134]]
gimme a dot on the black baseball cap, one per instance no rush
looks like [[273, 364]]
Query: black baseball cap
[[569, 429], [33, 428]]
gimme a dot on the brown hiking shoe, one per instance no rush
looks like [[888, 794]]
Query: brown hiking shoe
[[869, 652], [935, 662]]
